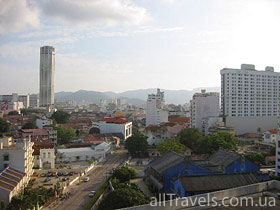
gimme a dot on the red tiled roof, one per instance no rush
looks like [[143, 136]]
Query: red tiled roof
[[41, 145], [90, 139], [153, 127], [179, 119], [271, 158], [116, 120], [273, 131], [38, 131], [72, 125], [250, 135]]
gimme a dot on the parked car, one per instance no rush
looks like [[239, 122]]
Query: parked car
[[65, 173], [49, 174], [91, 194], [43, 174], [65, 179], [47, 179], [85, 179], [59, 174], [71, 173]]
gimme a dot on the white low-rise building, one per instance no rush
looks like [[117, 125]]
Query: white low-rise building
[[83, 153], [209, 122], [17, 155], [270, 136], [44, 156], [203, 105], [115, 125], [40, 123], [12, 182]]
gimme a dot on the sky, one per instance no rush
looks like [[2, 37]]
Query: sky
[[119, 45]]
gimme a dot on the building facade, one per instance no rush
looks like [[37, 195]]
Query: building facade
[[203, 105], [155, 111], [250, 98], [277, 155], [114, 125], [47, 73], [95, 152], [16, 98], [12, 182], [40, 123], [17, 155], [34, 101], [44, 156]]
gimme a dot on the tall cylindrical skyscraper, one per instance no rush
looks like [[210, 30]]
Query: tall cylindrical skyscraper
[[47, 72]]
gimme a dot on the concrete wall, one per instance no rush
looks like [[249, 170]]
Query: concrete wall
[[251, 124], [219, 195]]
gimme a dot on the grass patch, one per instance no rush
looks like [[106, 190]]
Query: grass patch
[[97, 195]]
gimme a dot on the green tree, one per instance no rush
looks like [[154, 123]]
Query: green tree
[[123, 197], [28, 111], [4, 126], [29, 125], [272, 151], [13, 113], [61, 117], [191, 138], [137, 144], [258, 158], [65, 134], [124, 173], [170, 144], [222, 140]]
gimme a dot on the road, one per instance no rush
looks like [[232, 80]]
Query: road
[[79, 193]]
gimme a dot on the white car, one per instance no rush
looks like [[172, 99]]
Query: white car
[[91, 194], [85, 179]]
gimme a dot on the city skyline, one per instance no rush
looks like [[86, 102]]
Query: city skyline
[[135, 45]]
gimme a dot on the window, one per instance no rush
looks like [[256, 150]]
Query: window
[[6, 157], [6, 165]]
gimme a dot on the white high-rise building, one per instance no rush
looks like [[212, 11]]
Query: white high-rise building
[[155, 112], [203, 105], [47, 72], [250, 98], [277, 159]]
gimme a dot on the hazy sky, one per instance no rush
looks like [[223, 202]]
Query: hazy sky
[[118, 45]]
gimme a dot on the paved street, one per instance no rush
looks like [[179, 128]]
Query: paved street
[[79, 193]]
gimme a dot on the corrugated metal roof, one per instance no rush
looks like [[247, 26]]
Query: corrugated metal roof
[[10, 177], [217, 182], [223, 158], [167, 161]]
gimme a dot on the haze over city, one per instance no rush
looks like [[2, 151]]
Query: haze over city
[[114, 45]]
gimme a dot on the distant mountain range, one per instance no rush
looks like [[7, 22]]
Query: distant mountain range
[[135, 97]]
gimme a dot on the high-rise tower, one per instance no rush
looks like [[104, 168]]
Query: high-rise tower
[[155, 112], [47, 71]]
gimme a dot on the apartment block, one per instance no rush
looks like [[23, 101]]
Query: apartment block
[[250, 98], [155, 110], [202, 106]]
